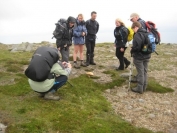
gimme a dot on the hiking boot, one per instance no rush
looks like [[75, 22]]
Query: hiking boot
[[76, 65], [83, 64], [119, 69], [92, 62], [127, 64], [51, 96], [137, 90], [41, 94]]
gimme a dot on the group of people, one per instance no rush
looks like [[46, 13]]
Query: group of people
[[80, 32]]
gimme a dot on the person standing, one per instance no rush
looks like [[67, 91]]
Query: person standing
[[92, 27], [63, 33], [79, 34], [140, 59], [121, 36]]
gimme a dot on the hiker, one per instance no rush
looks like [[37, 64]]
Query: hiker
[[134, 17], [63, 33], [121, 36], [140, 59], [46, 74], [92, 27], [79, 34]]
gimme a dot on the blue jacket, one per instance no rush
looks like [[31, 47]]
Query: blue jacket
[[77, 37]]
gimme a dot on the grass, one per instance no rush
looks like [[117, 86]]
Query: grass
[[82, 108]]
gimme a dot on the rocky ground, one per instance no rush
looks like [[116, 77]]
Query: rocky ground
[[155, 111]]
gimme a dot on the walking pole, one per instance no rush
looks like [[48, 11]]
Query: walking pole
[[70, 83], [131, 71]]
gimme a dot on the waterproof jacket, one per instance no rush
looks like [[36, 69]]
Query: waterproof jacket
[[48, 83], [143, 23], [92, 27], [121, 36], [77, 32], [138, 42], [64, 37]]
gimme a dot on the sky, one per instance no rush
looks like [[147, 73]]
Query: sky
[[34, 20]]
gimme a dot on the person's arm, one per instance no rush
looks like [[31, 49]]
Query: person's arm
[[76, 32], [59, 69], [85, 30], [124, 33], [97, 27], [137, 43]]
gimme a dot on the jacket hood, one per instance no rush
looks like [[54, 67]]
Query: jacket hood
[[142, 30], [71, 20]]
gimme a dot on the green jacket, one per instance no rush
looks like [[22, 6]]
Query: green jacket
[[48, 83]]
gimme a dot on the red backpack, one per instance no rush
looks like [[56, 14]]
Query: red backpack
[[152, 28]]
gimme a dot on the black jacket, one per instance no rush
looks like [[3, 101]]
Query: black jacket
[[92, 28], [64, 38], [121, 36], [138, 43]]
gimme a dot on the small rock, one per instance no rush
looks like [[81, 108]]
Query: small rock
[[109, 56], [129, 120], [172, 131], [151, 116], [108, 91], [129, 107], [111, 51], [138, 109], [115, 58], [168, 53], [165, 103], [168, 112], [141, 100], [125, 75]]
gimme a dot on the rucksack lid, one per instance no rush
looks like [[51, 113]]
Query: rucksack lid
[[41, 63]]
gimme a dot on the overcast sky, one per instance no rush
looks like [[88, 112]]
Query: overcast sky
[[33, 20]]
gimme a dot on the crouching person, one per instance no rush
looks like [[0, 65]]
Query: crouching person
[[46, 74], [140, 56]]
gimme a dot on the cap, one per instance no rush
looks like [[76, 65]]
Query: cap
[[71, 19], [133, 15]]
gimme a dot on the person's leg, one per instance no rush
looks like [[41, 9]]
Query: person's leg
[[65, 54], [121, 59], [81, 50], [92, 53], [126, 61], [59, 82], [145, 74], [140, 76], [117, 55], [88, 52], [76, 49]]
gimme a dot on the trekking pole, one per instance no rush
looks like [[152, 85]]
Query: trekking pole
[[131, 71], [70, 83]]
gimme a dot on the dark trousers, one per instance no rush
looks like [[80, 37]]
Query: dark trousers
[[122, 59], [65, 54], [59, 82], [90, 45]]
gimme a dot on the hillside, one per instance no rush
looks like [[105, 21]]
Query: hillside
[[97, 104]]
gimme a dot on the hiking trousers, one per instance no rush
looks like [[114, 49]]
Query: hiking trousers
[[122, 59], [90, 45], [65, 54], [142, 68]]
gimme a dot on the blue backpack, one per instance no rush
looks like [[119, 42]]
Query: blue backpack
[[149, 44]]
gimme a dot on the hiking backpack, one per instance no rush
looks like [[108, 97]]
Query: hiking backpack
[[60, 28], [151, 27], [131, 34], [149, 43], [41, 63]]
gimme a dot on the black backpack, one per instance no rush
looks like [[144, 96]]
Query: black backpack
[[60, 28], [41, 64]]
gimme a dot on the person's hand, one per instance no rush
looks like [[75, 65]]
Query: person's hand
[[59, 49], [122, 49], [64, 63], [83, 33], [69, 65]]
